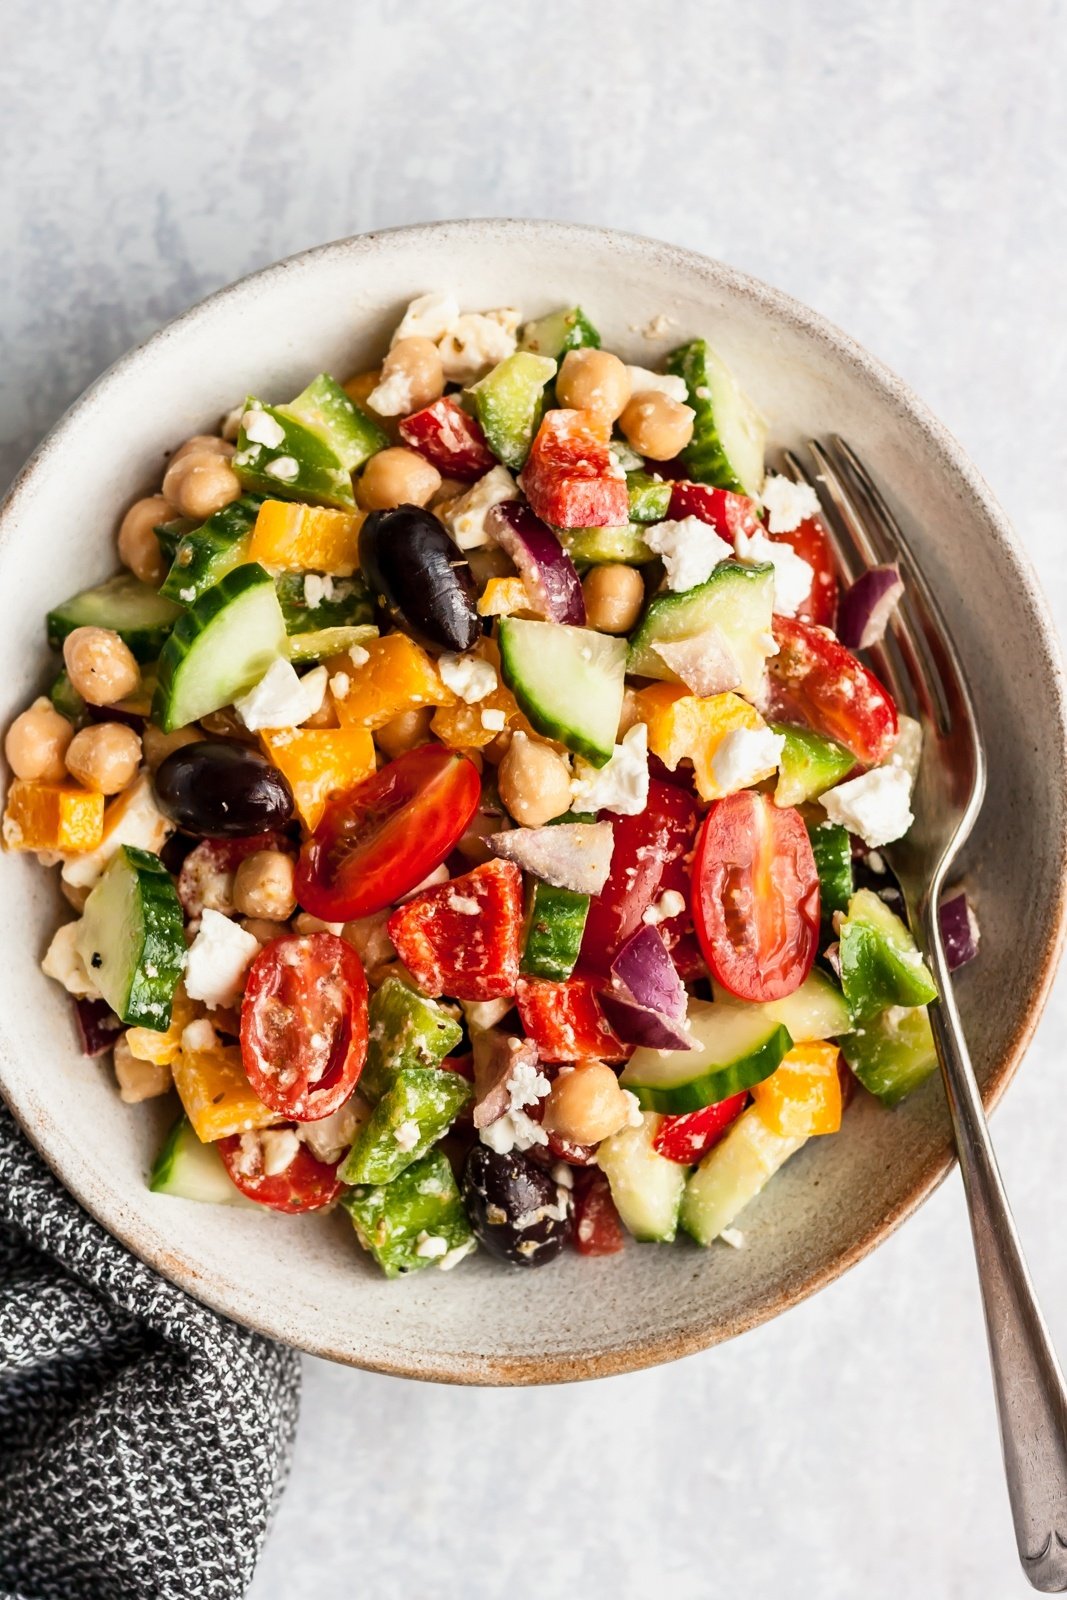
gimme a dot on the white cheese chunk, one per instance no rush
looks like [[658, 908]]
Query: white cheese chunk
[[392, 396], [477, 342], [278, 1149], [261, 428], [331, 1136], [63, 962], [217, 961], [691, 550], [406, 1134], [430, 1246], [318, 587], [199, 1036], [642, 380], [515, 1130], [465, 516], [745, 756], [132, 818], [468, 676], [429, 316], [621, 785], [792, 574], [282, 699], [669, 904], [788, 504], [876, 805]]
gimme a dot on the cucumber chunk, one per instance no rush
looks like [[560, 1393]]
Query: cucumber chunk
[[206, 554], [650, 498], [569, 682], [737, 601], [509, 403], [832, 849], [193, 1171], [815, 1011], [169, 533], [892, 1053], [131, 938], [415, 1221], [734, 1046], [222, 646], [140, 616], [419, 1106], [647, 1188], [555, 923], [405, 1030], [301, 465], [347, 603], [559, 332], [729, 435], [306, 648], [810, 763], [880, 962], [67, 701], [733, 1173], [591, 546], [351, 434]]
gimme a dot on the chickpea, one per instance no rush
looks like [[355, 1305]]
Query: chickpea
[[614, 595], [533, 782], [138, 1080], [630, 713], [75, 894], [412, 377], [100, 666], [37, 741], [138, 546], [104, 757], [200, 483], [397, 477], [593, 380], [264, 928], [200, 442], [263, 886], [451, 489], [586, 1105], [157, 745], [656, 425], [404, 732]]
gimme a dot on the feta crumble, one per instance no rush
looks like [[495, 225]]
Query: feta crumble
[[691, 551], [217, 961], [261, 428], [669, 904], [792, 574], [430, 1246], [406, 1135], [515, 1130], [494, 720], [465, 516], [285, 468], [281, 699], [788, 504], [468, 676], [278, 1149], [392, 395], [429, 316], [478, 341], [317, 588], [357, 655], [199, 1037], [733, 1237], [340, 684], [876, 805], [642, 380], [745, 756], [621, 785]]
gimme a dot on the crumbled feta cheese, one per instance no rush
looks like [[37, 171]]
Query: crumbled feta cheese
[[357, 655], [907, 752], [515, 1130], [187, 596], [468, 676], [132, 818], [457, 1254], [494, 720], [429, 316], [261, 428], [706, 663], [482, 1014], [465, 516], [691, 550], [634, 1115], [792, 574], [406, 1135], [392, 396], [642, 380], [745, 756], [430, 1246], [331, 1136], [621, 785], [464, 905], [563, 1175], [285, 468], [281, 699], [669, 904], [788, 504], [656, 326], [733, 1237], [278, 1149], [340, 684], [217, 961], [199, 1036], [478, 341], [876, 805], [317, 588], [63, 962]]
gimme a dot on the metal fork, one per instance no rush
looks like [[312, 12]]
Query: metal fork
[[921, 667]]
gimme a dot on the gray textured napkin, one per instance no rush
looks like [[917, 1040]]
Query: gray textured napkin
[[144, 1441]]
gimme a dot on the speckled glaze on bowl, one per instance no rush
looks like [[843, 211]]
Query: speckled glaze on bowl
[[306, 1281]]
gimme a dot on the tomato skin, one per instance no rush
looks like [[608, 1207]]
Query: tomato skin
[[449, 439], [568, 477], [380, 839], [597, 1228], [810, 543], [687, 1137], [756, 896], [728, 513], [303, 988], [814, 679], [306, 1184]]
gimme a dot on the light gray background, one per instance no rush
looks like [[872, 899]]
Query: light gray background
[[903, 168]]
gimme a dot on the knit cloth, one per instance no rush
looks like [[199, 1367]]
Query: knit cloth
[[144, 1441]]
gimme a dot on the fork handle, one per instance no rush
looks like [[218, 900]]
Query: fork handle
[[1030, 1393]]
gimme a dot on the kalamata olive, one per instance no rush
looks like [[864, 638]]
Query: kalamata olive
[[215, 787], [422, 578], [517, 1210]]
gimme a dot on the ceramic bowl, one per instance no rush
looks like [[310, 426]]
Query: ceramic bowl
[[306, 1281]]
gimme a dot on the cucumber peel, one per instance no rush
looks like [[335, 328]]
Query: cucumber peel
[[132, 938], [734, 1047], [140, 616], [220, 648], [569, 681], [729, 435]]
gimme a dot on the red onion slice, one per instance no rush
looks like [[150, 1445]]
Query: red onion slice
[[867, 606], [641, 1025], [98, 1025], [704, 663], [960, 933], [544, 566], [572, 855], [644, 973]]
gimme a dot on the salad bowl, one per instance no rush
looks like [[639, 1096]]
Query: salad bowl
[[303, 1280]]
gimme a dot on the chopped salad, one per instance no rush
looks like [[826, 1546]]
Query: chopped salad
[[468, 811]]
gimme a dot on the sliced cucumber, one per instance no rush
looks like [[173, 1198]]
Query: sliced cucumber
[[420, 1104], [131, 938], [326, 409], [832, 849], [140, 616], [347, 603], [310, 647], [193, 1171], [737, 601], [880, 961], [647, 1188], [809, 764], [729, 435], [733, 1173], [559, 332], [220, 648], [67, 701], [509, 402], [591, 546], [816, 1010], [206, 554], [735, 1046], [650, 498], [169, 533], [417, 1220], [569, 682], [893, 1053], [301, 465], [555, 923]]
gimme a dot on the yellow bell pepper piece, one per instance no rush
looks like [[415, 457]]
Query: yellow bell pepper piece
[[216, 1094], [52, 816], [163, 1048], [319, 762], [803, 1095], [506, 597], [397, 676], [462, 727], [684, 726], [300, 538]]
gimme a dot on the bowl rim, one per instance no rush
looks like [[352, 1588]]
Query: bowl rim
[[665, 1347]]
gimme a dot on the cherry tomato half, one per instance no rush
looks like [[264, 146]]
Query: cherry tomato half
[[756, 896], [597, 1228], [304, 1024], [381, 839], [303, 1184], [814, 679], [811, 545]]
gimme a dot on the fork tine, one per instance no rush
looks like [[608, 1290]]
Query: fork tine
[[845, 555]]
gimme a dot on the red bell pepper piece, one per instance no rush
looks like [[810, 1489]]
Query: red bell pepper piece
[[565, 1021], [449, 440], [727, 513], [464, 938], [569, 479], [688, 1138]]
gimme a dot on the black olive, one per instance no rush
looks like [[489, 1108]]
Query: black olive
[[516, 1209], [421, 577], [217, 787]]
